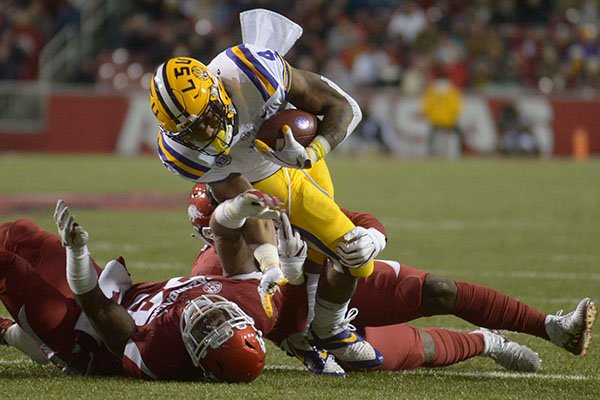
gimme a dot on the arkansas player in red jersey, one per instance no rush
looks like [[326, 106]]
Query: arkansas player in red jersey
[[184, 328], [397, 293]]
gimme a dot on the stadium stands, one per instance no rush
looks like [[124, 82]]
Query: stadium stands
[[543, 45]]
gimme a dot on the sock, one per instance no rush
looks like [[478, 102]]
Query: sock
[[328, 317], [491, 309], [19, 339], [312, 281], [452, 347]]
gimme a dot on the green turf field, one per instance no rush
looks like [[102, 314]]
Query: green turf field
[[529, 228]]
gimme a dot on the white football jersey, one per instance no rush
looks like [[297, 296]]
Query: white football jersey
[[257, 79]]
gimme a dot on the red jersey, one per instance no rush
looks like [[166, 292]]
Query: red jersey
[[35, 269], [156, 350]]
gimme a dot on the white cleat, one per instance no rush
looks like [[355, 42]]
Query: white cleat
[[510, 355], [350, 349], [573, 332]]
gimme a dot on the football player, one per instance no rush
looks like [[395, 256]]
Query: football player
[[405, 293], [178, 329], [185, 328], [209, 116]]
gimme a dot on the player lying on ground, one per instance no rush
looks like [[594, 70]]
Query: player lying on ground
[[185, 328], [148, 334], [396, 293], [44, 250], [162, 320]]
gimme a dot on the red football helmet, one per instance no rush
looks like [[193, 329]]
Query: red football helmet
[[222, 339], [202, 205]]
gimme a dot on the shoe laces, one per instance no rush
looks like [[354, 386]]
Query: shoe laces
[[350, 316], [566, 319]]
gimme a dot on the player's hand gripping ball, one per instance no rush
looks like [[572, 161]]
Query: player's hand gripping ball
[[303, 125]]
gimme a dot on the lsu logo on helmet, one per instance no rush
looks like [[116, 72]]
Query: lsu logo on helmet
[[192, 106]]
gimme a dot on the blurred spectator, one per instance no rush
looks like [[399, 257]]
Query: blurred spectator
[[532, 44], [442, 105], [516, 133], [25, 28], [408, 21], [375, 132]]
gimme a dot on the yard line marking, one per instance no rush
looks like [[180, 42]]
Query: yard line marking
[[279, 367], [159, 266], [470, 374], [15, 362], [573, 276], [511, 375]]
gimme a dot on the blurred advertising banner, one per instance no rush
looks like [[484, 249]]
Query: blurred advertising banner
[[88, 121]]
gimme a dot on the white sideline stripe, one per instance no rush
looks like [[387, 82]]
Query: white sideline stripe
[[511, 375], [572, 276], [16, 362], [159, 266], [470, 374]]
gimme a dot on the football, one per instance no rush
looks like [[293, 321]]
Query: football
[[304, 127]]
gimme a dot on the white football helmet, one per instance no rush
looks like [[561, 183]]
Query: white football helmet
[[222, 339]]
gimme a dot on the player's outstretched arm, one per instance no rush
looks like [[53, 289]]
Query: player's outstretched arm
[[108, 318]]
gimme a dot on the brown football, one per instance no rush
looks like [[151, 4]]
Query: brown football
[[304, 126]]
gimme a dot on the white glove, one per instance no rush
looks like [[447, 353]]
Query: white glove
[[291, 155], [72, 234], [271, 279], [292, 251], [359, 246], [256, 204], [250, 204]]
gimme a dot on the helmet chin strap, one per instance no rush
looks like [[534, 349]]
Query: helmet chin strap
[[224, 136]]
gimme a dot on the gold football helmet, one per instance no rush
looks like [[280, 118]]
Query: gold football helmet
[[192, 106]]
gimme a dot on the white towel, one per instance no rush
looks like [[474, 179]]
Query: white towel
[[268, 29]]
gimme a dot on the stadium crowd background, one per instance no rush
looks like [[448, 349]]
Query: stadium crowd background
[[547, 45]]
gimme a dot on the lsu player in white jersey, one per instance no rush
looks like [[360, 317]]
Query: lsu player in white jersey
[[209, 116]]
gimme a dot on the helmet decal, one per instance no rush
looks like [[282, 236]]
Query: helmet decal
[[200, 73]]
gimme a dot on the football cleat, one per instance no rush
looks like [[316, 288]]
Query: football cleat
[[573, 332], [5, 323], [510, 355], [349, 348], [316, 361]]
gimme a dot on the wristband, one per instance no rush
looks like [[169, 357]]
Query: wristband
[[318, 148], [81, 276], [225, 216], [266, 255]]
